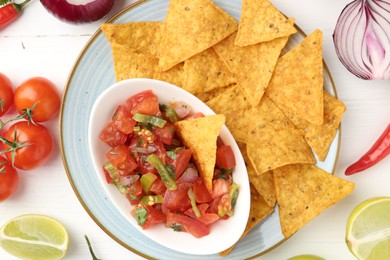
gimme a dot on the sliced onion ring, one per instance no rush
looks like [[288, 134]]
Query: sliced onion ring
[[362, 39], [78, 11]]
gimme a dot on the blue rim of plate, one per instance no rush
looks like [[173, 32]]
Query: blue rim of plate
[[93, 72]]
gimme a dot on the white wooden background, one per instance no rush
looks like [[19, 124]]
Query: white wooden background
[[40, 45]]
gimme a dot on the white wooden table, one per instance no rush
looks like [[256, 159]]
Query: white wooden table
[[38, 44]]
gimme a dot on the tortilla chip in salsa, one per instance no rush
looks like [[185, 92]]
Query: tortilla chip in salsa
[[200, 135]]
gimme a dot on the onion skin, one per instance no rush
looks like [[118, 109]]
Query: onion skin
[[71, 13], [362, 39]]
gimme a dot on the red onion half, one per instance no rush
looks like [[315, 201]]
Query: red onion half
[[78, 11], [362, 38]]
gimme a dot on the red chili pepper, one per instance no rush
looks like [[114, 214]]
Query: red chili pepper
[[10, 12], [377, 152]]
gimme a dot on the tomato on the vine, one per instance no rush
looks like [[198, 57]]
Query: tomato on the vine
[[32, 146], [9, 179], [40, 92], [6, 94]]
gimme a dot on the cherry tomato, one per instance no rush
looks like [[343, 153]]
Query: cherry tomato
[[6, 94], [43, 93], [9, 179], [38, 144]]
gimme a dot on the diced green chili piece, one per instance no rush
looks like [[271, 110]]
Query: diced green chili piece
[[137, 129], [154, 120], [114, 174], [147, 181], [151, 200], [191, 195], [233, 193], [162, 170], [140, 215], [171, 114]]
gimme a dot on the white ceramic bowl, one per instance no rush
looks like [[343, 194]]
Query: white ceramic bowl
[[224, 233]]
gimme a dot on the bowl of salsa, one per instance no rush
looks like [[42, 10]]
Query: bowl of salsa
[[170, 165]]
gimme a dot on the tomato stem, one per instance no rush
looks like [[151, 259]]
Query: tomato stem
[[13, 146], [27, 113]]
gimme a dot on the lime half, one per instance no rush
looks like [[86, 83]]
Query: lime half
[[34, 237], [368, 229], [306, 257]]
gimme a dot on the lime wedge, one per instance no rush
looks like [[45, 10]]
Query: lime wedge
[[368, 229], [306, 257], [34, 237]]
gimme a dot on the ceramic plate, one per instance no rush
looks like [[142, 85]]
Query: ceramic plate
[[91, 75]]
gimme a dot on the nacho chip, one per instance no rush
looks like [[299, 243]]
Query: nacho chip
[[259, 210], [303, 192], [273, 141], [206, 96], [239, 121], [206, 71], [223, 102], [200, 135], [129, 64], [260, 22], [175, 76], [263, 183], [297, 83], [252, 65], [192, 26], [320, 137], [141, 37]]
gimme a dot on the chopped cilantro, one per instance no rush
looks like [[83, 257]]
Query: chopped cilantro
[[176, 227], [171, 170]]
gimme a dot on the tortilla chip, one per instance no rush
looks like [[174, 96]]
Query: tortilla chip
[[223, 102], [303, 192], [273, 141], [141, 37], [297, 83], [175, 76], [252, 65], [260, 21], [263, 183], [238, 122], [259, 210], [192, 26], [200, 135], [206, 96], [320, 137], [206, 71], [129, 64]]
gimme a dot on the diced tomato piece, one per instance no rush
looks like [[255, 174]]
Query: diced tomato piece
[[151, 217], [184, 223], [165, 134], [201, 192], [144, 103], [158, 187], [135, 190], [123, 120], [219, 141], [220, 188], [177, 200], [205, 218], [107, 175], [225, 206], [112, 136], [183, 157], [120, 157], [225, 157], [196, 115], [213, 206]]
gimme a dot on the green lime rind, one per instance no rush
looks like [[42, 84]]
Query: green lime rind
[[34, 237], [368, 229], [306, 257]]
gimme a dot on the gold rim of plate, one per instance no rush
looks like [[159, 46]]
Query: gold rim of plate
[[64, 160]]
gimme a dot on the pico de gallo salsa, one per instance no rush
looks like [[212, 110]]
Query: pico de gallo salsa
[[156, 172]]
